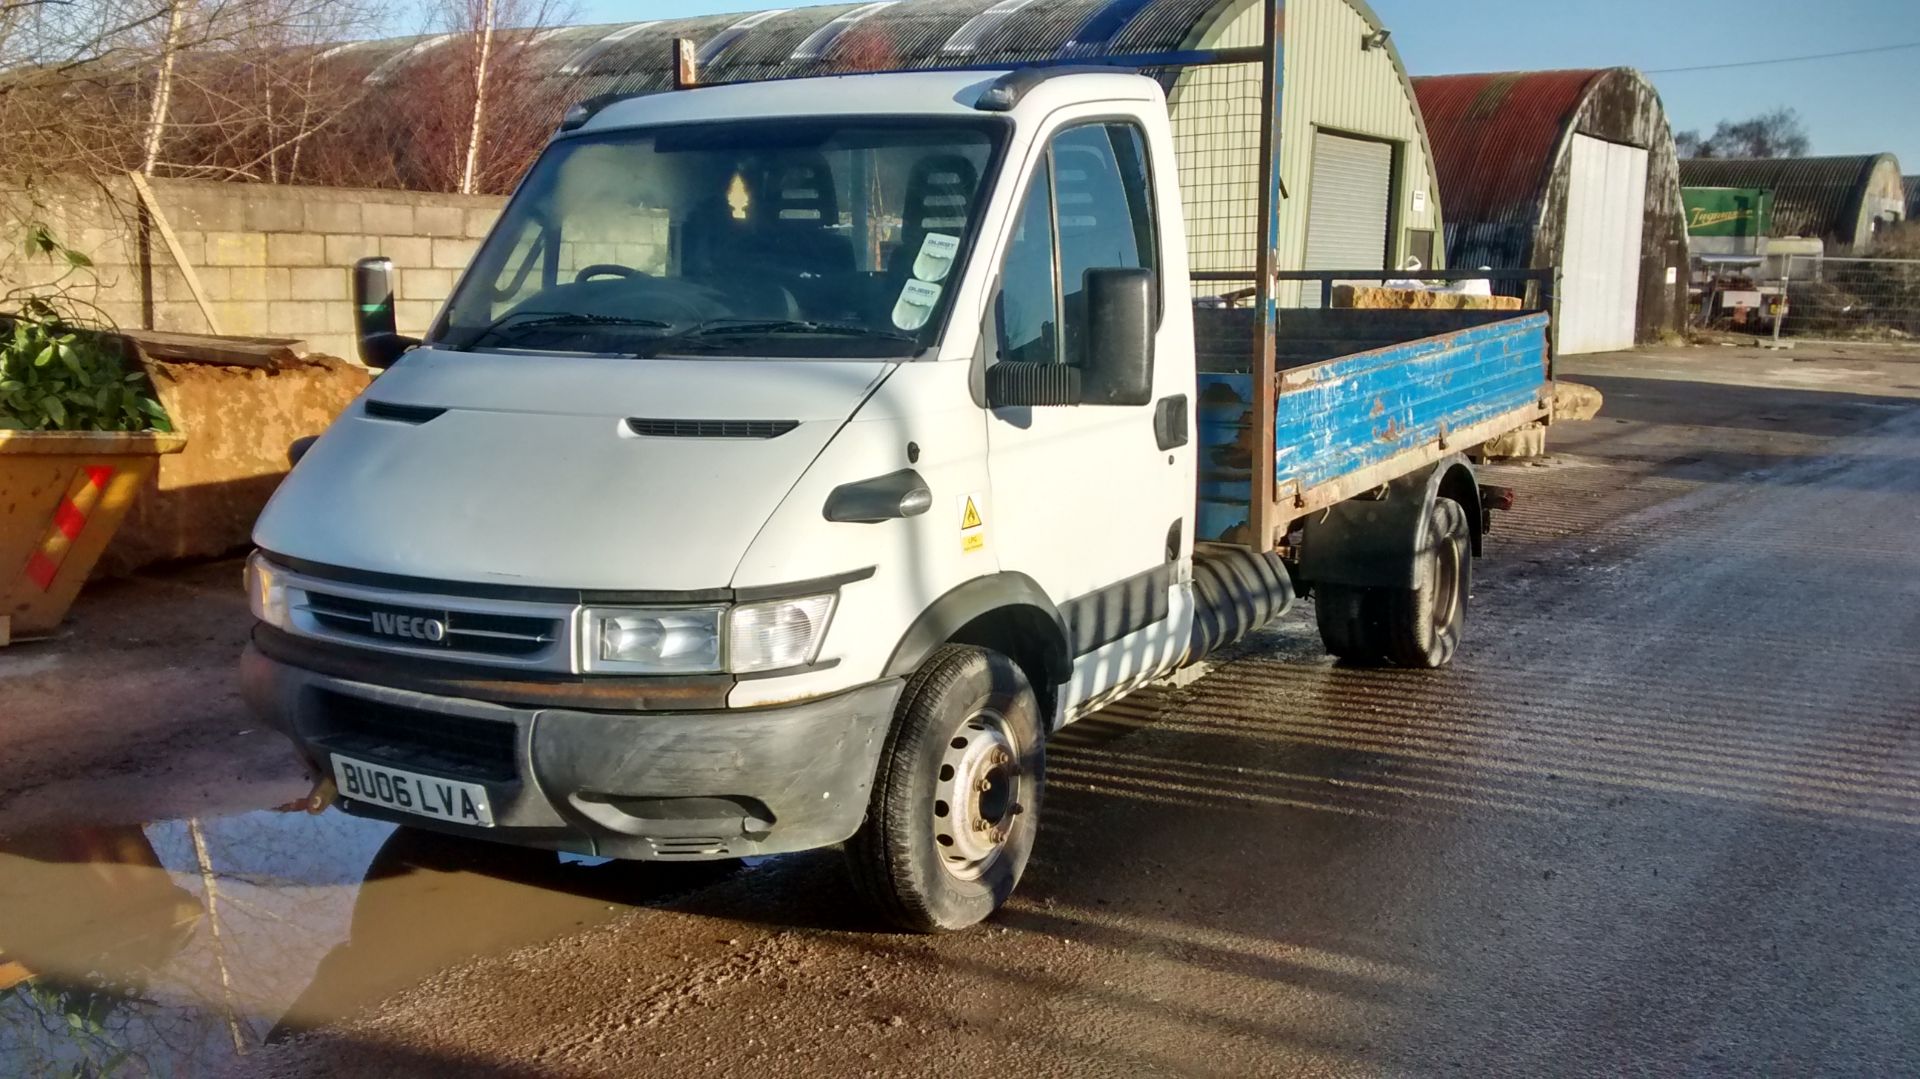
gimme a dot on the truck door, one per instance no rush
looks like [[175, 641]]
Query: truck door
[[1089, 500]]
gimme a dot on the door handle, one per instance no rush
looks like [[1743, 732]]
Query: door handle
[[1170, 421]]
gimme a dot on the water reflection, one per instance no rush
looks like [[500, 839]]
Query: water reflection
[[169, 948]]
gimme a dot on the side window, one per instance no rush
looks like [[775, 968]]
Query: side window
[[1026, 314], [1105, 214], [1090, 205]]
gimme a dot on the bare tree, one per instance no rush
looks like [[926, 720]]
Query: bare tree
[[1778, 133], [223, 88], [479, 105], [478, 124]]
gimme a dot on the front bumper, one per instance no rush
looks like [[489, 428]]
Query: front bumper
[[644, 785]]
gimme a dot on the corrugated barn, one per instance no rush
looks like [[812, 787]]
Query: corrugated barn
[[1913, 197], [1574, 169], [1842, 201], [1359, 189]]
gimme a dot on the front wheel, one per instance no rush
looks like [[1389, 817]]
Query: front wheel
[[956, 803]]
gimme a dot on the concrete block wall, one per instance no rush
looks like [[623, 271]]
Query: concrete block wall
[[274, 260]]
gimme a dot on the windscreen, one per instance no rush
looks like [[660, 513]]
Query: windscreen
[[828, 238]]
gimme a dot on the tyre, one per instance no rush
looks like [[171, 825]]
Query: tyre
[[956, 803], [1406, 627], [1348, 618], [1423, 625]]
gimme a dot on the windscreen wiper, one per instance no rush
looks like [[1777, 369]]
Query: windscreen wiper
[[527, 320], [746, 327]]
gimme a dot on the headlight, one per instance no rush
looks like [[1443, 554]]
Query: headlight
[[777, 634], [688, 640], [266, 595], [680, 640]]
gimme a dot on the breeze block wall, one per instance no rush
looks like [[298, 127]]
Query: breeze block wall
[[274, 260]]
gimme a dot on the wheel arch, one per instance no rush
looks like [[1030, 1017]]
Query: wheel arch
[[1455, 479], [1369, 542], [1008, 612]]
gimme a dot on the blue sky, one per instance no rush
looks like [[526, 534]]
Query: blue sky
[[1857, 104]]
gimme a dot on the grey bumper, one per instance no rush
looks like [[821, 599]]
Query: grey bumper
[[645, 785]]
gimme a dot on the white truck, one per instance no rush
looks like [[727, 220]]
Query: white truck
[[794, 458]]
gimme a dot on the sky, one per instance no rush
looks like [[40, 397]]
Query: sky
[[1850, 105]]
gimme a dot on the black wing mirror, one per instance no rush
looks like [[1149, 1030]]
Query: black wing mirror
[[373, 320], [1018, 382], [1120, 312], [1120, 318]]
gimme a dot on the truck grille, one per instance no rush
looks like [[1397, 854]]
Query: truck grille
[[459, 747], [468, 632]]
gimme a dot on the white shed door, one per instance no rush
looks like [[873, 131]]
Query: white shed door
[[1600, 266], [1348, 205]]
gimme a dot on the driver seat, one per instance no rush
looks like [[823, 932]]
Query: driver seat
[[940, 189]]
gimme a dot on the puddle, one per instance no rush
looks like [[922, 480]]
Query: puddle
[[170, 948]]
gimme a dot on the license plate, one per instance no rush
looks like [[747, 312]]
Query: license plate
[[411, 792]]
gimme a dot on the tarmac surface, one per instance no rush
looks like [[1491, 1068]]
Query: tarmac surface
[[1661, 816]]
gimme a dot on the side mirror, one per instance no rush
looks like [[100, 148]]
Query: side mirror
[[1015, 383], [1120, 316], [373, 321]]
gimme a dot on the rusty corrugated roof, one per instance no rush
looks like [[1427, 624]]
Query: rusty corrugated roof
[[1497, 138], [838, 38], [1812, 196]]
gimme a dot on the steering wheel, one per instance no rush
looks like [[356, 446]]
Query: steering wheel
[[608, 269]]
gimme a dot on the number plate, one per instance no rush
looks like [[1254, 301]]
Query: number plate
[[411, 792]]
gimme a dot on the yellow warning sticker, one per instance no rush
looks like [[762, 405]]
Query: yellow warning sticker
[[972, 542], [970, 516]]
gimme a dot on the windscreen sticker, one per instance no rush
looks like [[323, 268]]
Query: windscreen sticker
[[935, 260], [916, 304]]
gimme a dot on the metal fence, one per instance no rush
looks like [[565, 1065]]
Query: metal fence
[[1852, 299]]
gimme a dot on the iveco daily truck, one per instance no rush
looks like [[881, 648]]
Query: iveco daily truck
[[794, 458]]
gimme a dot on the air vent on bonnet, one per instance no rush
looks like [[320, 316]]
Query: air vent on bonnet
[[711, 428], [382, 410]]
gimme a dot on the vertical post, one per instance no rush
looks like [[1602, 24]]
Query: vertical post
[[1553, 316], [1262, 513], [686, 64], [1786, 287], [143, 243]]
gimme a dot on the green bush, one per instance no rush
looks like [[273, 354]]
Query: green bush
[[57, 373]]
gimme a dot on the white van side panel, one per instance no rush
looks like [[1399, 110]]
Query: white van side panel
[[926, 405]]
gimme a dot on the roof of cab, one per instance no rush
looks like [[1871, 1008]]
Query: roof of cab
[[915, 93]]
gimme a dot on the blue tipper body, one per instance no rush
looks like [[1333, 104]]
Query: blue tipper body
[[1337, 417]]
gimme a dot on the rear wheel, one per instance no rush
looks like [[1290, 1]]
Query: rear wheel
[[1406, 627], [956, 803], [1423, 625], [1348, 619]]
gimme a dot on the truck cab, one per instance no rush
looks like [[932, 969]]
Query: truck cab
[[766, 413], [792, 459]]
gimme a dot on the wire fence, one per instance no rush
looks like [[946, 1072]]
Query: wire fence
[[1215, 114], [1852, 299]]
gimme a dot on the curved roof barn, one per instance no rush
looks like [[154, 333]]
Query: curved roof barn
[[1574, 169], [1843, 201], [1342, 80]]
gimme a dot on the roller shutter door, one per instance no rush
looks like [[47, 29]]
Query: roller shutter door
[[1600, 265], [1349, 204]]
